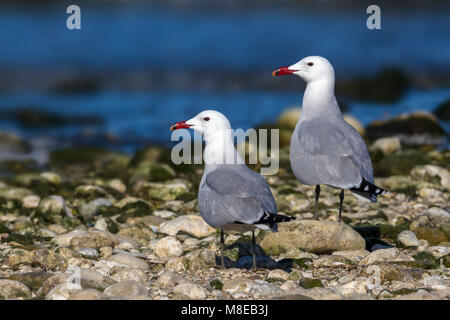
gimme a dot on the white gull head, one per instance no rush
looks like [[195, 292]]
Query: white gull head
[[218, 135], [309, 69]]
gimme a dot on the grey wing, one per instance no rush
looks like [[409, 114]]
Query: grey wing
[[233, 194], [360, 155], [328, 153]]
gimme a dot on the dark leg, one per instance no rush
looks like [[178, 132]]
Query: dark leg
[[341, 199], [222, 248], [254, 249], [316, 206]]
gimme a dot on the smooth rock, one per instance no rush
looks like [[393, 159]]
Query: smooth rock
[[31, 202], [260, 289], [130, 261], [311, 235], [126, 289], [191, 224], [130, 274], [168, 247], [93, 239], [387, 145], [278, 274], [63, 291], [386, 255], [190, 290], [408, 239]]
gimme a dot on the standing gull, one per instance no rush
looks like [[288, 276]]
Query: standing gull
[[230, 196], [325, 149]]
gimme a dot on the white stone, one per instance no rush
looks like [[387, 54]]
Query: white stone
[[168, 247]]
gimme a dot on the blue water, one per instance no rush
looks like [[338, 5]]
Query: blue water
[[234, 39]]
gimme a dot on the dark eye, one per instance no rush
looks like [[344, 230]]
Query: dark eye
[[310, 64], [206, 118]]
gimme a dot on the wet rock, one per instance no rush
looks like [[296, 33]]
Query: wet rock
[[386, 255], [44, 258], [400, 163], [425, 260], [388, 85], [417, 128], [126, 289], [190, 290], [11, 289], [442, 111], [130, 261], [191, 224], [407, 239], [433, 225], [388, 145], [311, 235], [309, 283], [168, 247]]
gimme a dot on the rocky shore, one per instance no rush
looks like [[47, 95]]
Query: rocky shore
[[96, 224]]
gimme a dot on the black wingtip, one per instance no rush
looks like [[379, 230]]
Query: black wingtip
[[369, 191], [272, 220]]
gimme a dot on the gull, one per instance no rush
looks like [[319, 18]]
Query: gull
[[324, 148], [231, 196]]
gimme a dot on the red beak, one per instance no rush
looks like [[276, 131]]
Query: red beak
[[180, 125], [281, 71]]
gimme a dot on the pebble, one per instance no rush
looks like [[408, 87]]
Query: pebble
[[168, 247]]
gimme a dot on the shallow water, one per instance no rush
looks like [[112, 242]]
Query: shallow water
[[216, 39]]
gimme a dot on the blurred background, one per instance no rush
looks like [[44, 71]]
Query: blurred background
[[136, 67]]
